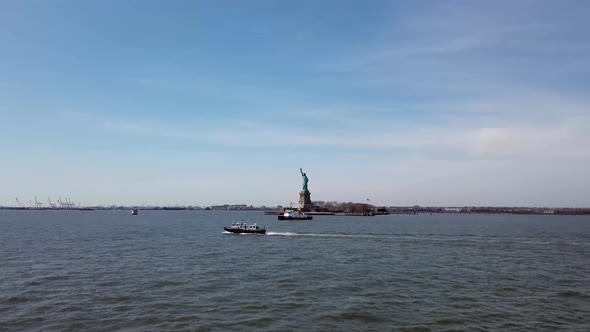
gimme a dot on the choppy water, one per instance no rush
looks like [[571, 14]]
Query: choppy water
[[177, 270]]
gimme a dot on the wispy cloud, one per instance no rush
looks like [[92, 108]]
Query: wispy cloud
[[134, 128], [433, 44], [151, 82], [568, 138]]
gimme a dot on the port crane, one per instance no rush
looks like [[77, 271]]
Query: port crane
[[70, 203], [66, 202], [37, 203]]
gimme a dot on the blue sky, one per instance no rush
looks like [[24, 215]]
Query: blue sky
[[208, 102]]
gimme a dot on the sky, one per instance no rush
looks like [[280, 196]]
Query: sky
[[441, 103]]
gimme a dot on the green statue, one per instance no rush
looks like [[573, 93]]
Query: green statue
[[305, 180]]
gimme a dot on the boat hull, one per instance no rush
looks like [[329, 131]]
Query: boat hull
[[295, 218], [244, 231]]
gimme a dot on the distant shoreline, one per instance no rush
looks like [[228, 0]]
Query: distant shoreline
[[388, 211]]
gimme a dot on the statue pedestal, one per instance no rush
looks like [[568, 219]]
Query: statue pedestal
[[305, 204]]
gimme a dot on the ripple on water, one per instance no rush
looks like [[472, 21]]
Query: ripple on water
[[189, 318], [71, 308], [362, 316], [449, 321], [168, 283], [36, 282], [204, 328], [291, 305], [15, 300], [76, 326], [27, 321], [462, 299], [255, 307], [507, 289], [115, 299], [414, 329], [43, 308], [259, 322], [574, 294], [57, 277], [148, 320], [47, 279], [122, 308]]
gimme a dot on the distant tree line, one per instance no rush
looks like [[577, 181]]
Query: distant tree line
[[347, 207]]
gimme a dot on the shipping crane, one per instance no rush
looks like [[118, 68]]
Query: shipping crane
[[37, 203]]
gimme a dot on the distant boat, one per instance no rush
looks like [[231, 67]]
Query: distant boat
[[134, 211], [243, 228], [291, 215]]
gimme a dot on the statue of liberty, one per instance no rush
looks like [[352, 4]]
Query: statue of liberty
[[305, 180]]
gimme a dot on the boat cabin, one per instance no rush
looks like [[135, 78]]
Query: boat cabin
[[244, 226], [293, 214]]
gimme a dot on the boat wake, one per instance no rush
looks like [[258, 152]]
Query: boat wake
[[328, 235], [426, 237], [282, 233], [230, 233]]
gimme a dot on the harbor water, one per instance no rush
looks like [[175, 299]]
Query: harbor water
[[178, 271]]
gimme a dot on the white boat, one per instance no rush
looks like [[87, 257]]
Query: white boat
[[240, 228], [134, 211], [294, 215]]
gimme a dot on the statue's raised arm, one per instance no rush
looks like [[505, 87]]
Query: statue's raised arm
[[301, 170]]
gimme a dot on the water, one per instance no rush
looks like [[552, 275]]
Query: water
[[177, 270]]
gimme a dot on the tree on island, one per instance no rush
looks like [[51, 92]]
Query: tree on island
[[348, 207]]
